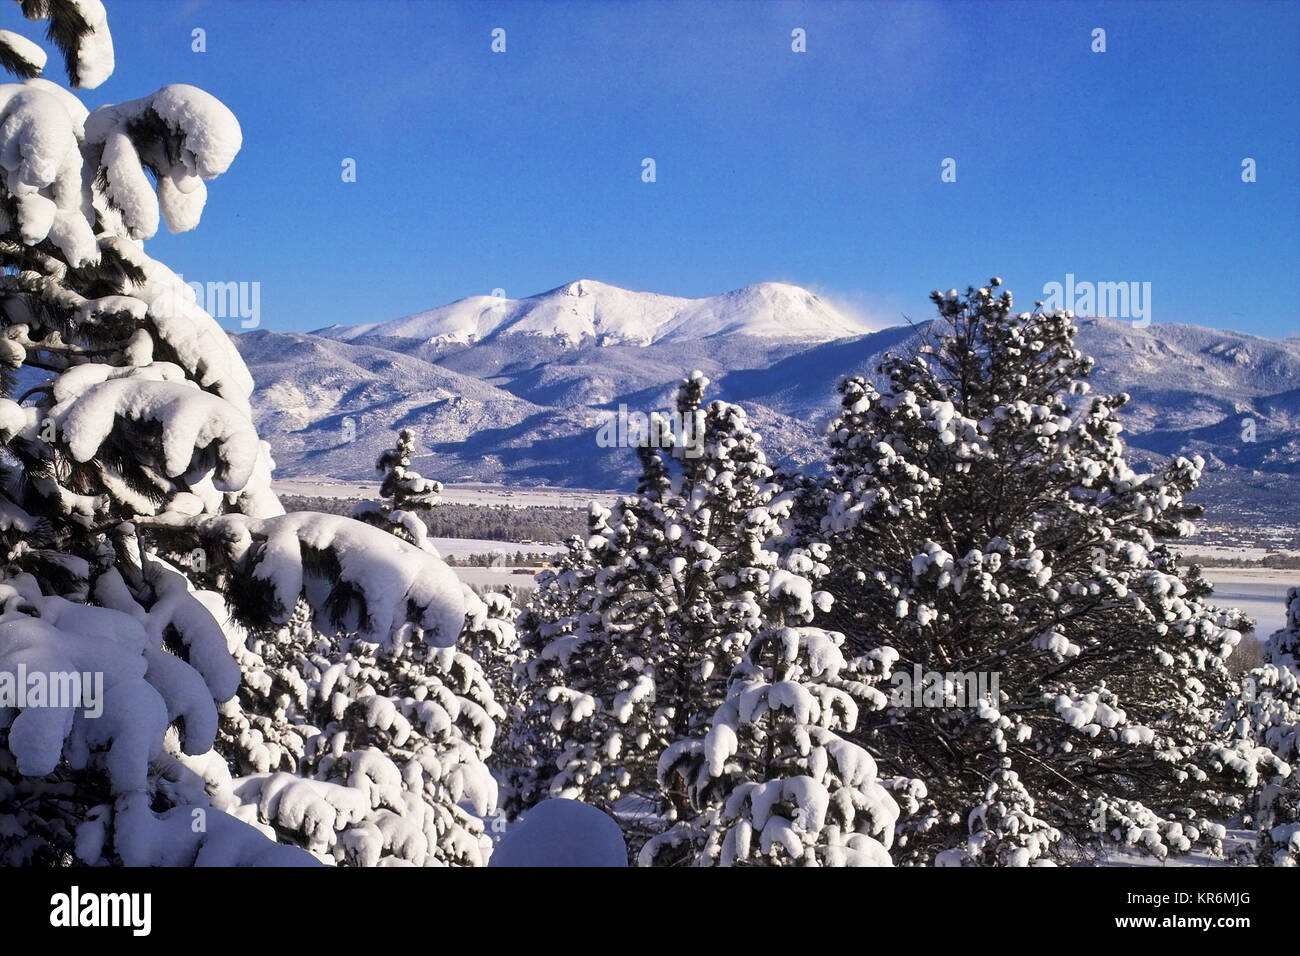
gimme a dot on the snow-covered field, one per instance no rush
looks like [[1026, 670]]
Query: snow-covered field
[[468, 494], [463, 547], [1236, 843], [496, 577], [1225, 552], [1260, 592], [518, 578]]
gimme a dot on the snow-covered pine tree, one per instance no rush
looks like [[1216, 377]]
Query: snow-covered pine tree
[[677, 585], [527, 760], [597, 669], [375, 753], [403, 494], [1267, 715], [772, 782], [1003, 828], [490, 637], [366, 754], [986, 523], [136, 514], [594, 720]]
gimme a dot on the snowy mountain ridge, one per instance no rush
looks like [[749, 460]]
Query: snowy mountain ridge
[[590, 312], [519, 402]]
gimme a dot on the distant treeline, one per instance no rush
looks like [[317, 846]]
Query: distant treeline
[[540, 523], [499, 559], [1284, 562]]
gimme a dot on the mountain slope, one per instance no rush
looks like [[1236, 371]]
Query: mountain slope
[[309, 388], [521, 401]]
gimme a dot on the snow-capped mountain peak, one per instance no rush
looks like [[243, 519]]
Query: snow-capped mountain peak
[[587, 311]]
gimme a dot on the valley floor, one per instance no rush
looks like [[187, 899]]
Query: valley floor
[[1260, 592], [468, 494]]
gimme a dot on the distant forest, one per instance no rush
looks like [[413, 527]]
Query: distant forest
[[1282, 561], [532, 523]]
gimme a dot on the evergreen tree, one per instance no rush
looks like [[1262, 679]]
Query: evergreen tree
[[1266, 718], [772, 783], [1003, 828], [137, 521], [370, 753], [404, 494], [986, 524], [680, 581], [362, 753], [545, 628]]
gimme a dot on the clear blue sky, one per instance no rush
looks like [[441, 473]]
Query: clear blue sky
[[522, 170]]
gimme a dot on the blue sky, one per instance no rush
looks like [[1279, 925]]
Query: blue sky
[[522, 170]]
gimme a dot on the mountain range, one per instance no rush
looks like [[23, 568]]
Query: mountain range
[[587, 312], [512, 391]]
